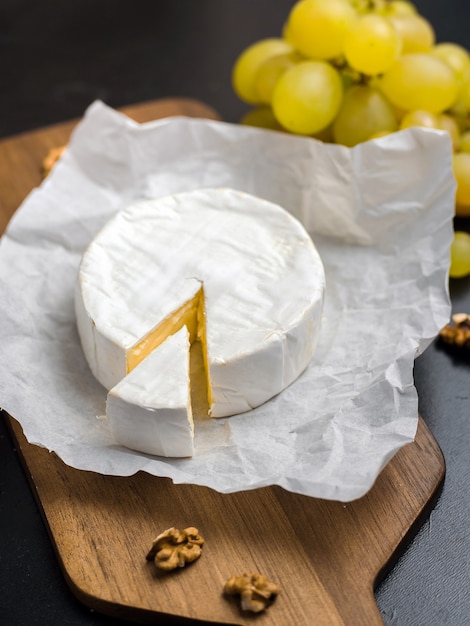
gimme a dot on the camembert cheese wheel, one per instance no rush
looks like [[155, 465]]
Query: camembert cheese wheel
[[240, 273]]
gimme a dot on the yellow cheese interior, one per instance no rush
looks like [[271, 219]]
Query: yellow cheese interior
[[192, 315]]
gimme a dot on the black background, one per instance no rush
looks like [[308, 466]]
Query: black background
[[56, 57]]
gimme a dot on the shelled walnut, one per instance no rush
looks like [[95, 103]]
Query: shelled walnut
[[255, 590], [457, 333], [174, 548]]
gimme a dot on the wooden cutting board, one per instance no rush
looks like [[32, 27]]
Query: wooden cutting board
[[326, 556]]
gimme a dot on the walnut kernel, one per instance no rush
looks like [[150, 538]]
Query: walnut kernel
[[255, 590], [174, 548], [457, 333]]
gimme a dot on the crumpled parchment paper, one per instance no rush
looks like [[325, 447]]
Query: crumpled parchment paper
[[381, 217]]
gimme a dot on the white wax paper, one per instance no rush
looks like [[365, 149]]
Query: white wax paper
[[381, 217]]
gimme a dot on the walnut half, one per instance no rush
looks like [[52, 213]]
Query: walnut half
[[457, 333], [174, 548], [255, 590]]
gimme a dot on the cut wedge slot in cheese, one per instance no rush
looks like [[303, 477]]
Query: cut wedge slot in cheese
[[240, 273], [189, 315]]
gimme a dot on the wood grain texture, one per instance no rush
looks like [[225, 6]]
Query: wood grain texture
[[326, 556]]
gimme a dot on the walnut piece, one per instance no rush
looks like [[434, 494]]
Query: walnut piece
[[255, 590], [174, 548], [457, 333], [50, 160]]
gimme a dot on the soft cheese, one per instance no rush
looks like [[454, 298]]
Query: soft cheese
[[240, 272], [150, 408]]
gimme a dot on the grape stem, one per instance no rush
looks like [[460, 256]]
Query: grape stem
[[358, 78], [364, 79]]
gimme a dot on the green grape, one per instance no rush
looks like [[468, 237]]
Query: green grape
[[456, 57], [261, 117], [307, 97], [372, 45], [464, 142], [381, 133], [461, 167], [270, 72], [400, 7], [460, 255], [425, 119], [317, 28], [369, 6], [363, 113], [448, 123], [248, 63], [420, 81], [461, 106], [417, 34]]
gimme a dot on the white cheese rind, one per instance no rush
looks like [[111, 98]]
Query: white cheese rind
[[277, 363], [263, 284], [150, 409]]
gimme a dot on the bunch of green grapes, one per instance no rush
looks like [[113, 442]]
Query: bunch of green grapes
[[347, 71]]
